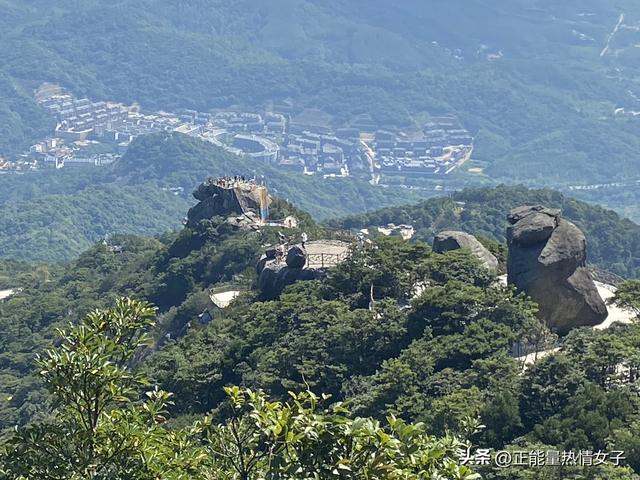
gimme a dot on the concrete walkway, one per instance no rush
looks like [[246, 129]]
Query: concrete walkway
[[615, 314]]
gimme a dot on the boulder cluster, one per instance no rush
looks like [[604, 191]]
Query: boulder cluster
[[547, 261], [274, 275]]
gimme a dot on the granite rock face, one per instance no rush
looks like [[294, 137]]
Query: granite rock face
[[218, 200], [274, 278], [547, 260], [452, 240], [268, 257]]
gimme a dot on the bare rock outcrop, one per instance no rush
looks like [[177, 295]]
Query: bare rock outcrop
[[453, 240], [547, 260], [296, 257], [224, 198]]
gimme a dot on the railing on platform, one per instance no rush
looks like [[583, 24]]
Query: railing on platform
[[325, 260]]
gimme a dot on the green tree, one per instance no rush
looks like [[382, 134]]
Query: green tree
[[389, 268], [102, 427], [601, 353], [628, 296], [297, 440], [461, 265], [501, 415], [547, 388], [450, 308]]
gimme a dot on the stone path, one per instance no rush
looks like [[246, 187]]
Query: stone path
[[615, 314]]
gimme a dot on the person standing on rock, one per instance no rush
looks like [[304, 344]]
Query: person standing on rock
[[304, 239]]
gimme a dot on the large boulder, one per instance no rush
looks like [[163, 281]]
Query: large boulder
[[220, 202], [296, 257], [268, 257], [533, 224], [275, 277], [547, 260], [452, 240]]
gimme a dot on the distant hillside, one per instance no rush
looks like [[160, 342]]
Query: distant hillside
[[59, 227], [529, 78], [178, 160], [613, 242], [55, 216]]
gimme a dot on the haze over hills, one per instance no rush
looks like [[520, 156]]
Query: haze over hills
[[535, 82]]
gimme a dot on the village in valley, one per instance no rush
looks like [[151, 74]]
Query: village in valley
[[96, 133]]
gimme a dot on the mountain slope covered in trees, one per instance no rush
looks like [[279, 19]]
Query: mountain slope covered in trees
[[441, 357], [56, 215], [104, 423]]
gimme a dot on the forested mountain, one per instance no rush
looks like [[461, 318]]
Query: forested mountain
[[533, 81], [173, 271], [537, 82], [360, 334], [118, 363], [58, 227]]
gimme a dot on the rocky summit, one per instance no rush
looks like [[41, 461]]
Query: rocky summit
[[224, 197], [453, 240], [547, 260]]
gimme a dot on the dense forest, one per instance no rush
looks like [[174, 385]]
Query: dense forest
[[436, 361], [398, 363], [103, 427]]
